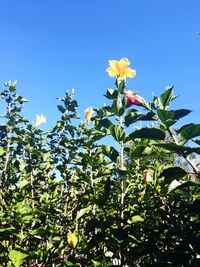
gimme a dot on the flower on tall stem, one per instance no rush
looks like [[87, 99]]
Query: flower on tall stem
[[120, 70]]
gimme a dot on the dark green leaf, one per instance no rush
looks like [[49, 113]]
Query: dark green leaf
[[167, 117], [190, 131], [179, 148], [61, 108], [121, 86], [197, 141], [110, 152], [180, 113], [173, 173], [147, 133], [106, 123], [111, 94], [186, 185], [132, 117]]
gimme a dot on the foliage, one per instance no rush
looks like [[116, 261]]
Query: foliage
[[70, 199]]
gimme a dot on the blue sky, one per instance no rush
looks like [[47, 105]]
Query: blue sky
[[50, 46]]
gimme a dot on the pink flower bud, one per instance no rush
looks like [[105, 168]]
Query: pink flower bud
[[134, 99], [147, 177]]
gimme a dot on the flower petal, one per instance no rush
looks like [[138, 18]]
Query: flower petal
[[128, 72], [112, 72], [72, 239], [114, 64], [123, 63], [88, 113]]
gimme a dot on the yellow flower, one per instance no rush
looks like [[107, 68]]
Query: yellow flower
[[120, 70], [40, 119], [72, 239], [88, 113]]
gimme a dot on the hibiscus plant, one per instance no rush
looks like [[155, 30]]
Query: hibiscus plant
[[100, 192]]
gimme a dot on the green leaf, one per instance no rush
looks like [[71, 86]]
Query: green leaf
[[186, 185], [132, 117], [22, 164], [147, 133], [196, 141], [136, 219], [82, 212], [178, 148], [166, 98], [61, 108], [167, 117], [123, 171], [17, 257], [72, 106], [24, 212], [180, 113], [173, 173], [117, 132], [117, 107], [23, 183], [106, 111], [69, 263], [189, 131], [141, 151], [110, 152], [2, 151], [111, 94], [121, 86], [10, 229], [105, 123]]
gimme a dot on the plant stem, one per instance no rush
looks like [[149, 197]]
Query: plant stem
[[32, 189], [121, 166]]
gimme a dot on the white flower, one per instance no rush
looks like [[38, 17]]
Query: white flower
[[40, 119], [173, 185]]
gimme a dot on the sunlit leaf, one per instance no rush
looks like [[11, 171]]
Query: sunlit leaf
[[17, 257]]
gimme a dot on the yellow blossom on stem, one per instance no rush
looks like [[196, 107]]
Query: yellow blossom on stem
[[120, 70], [40, 119], [72, 239], [88, 113]]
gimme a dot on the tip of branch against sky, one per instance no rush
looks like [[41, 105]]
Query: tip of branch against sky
[[51, 46]]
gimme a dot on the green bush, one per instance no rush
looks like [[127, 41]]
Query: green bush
[[68, 198]]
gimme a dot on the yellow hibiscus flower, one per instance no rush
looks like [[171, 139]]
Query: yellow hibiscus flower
[[88, 113], [72, 239], [120, 70]]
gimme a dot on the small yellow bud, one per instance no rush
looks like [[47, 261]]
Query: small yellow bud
[[72, 239]]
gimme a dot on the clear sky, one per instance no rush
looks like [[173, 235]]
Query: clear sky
[[50, 46]]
